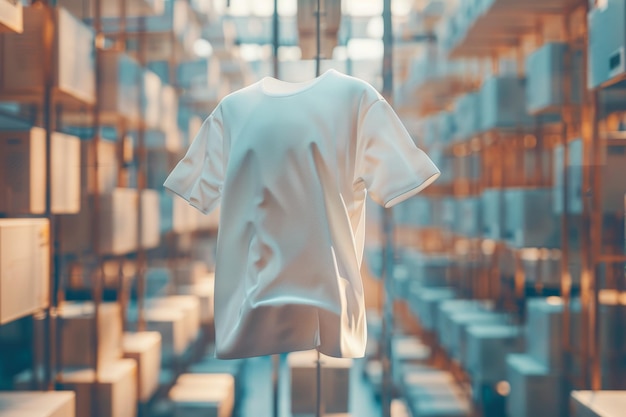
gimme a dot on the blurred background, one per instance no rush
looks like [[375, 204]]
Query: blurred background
[[498, 291]]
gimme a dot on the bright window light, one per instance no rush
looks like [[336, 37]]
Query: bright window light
[[202, 48], [253, 52], [376, 27], [365, 49], [289, 53]]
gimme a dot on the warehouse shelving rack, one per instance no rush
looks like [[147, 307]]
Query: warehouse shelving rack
[[59, 110], [511, 30]]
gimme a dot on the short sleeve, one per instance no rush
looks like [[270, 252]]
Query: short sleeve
[[388, 162], [199, 176]]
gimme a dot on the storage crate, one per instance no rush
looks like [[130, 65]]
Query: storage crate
[[24, 267]]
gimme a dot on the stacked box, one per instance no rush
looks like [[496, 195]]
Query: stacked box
[[461, 321], [431, 392], [151, 99], [85, 9], [493, 213], [487, 348], [598, 403], [169, 323], [77, 325], [467, 116], [544, 77], [190, 273], [203, 395], [535, 391], [107, 167], [115, 391], [158, 281], [607, 38], [446, 310], [11, 16], [428, 301], [23, 172], [151, 219], [118, 224], [530, 220], [503, 103], [37, 404], [205, 292], [613, 166], [544, 326], [198, 74], [23, 64], [24, 267], [119, 89], [469, 217], [186, 304], [145, 349]]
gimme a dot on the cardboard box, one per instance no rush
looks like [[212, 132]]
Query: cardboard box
[[199, 73], [545, 69], [535, 392], [145, 349], [427, 302], [23, 172], [169, 114], [445, 310], [607, 38], [467, 116], [37, 404], [205, 292], [190, 273], [544, 327], [158, 281], [335, 382], [151, 99], [170, 323], [460, 322], [406, 350], [530, 220], [503, 103], [73, 66], [487, 348], [118, 224], [119, 90], [11, 16], [203, 395], [107, 167], [159, 167], [598, 403], [175, 18], [24, 267], [468, 222], [189, 306], [613, 167], [77, 324], [85, 9], [115, 392], [151, 219], [431, 392]]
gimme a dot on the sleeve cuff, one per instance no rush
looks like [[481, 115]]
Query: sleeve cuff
[[412, 191]]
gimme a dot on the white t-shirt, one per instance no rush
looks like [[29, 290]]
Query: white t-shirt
[[291, 165]]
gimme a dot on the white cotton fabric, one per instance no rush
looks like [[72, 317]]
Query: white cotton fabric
[[290, 165]]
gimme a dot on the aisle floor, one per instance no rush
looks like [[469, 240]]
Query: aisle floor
[[257, 387]]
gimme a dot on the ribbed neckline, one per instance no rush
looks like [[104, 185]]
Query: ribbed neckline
[[299, 87]]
